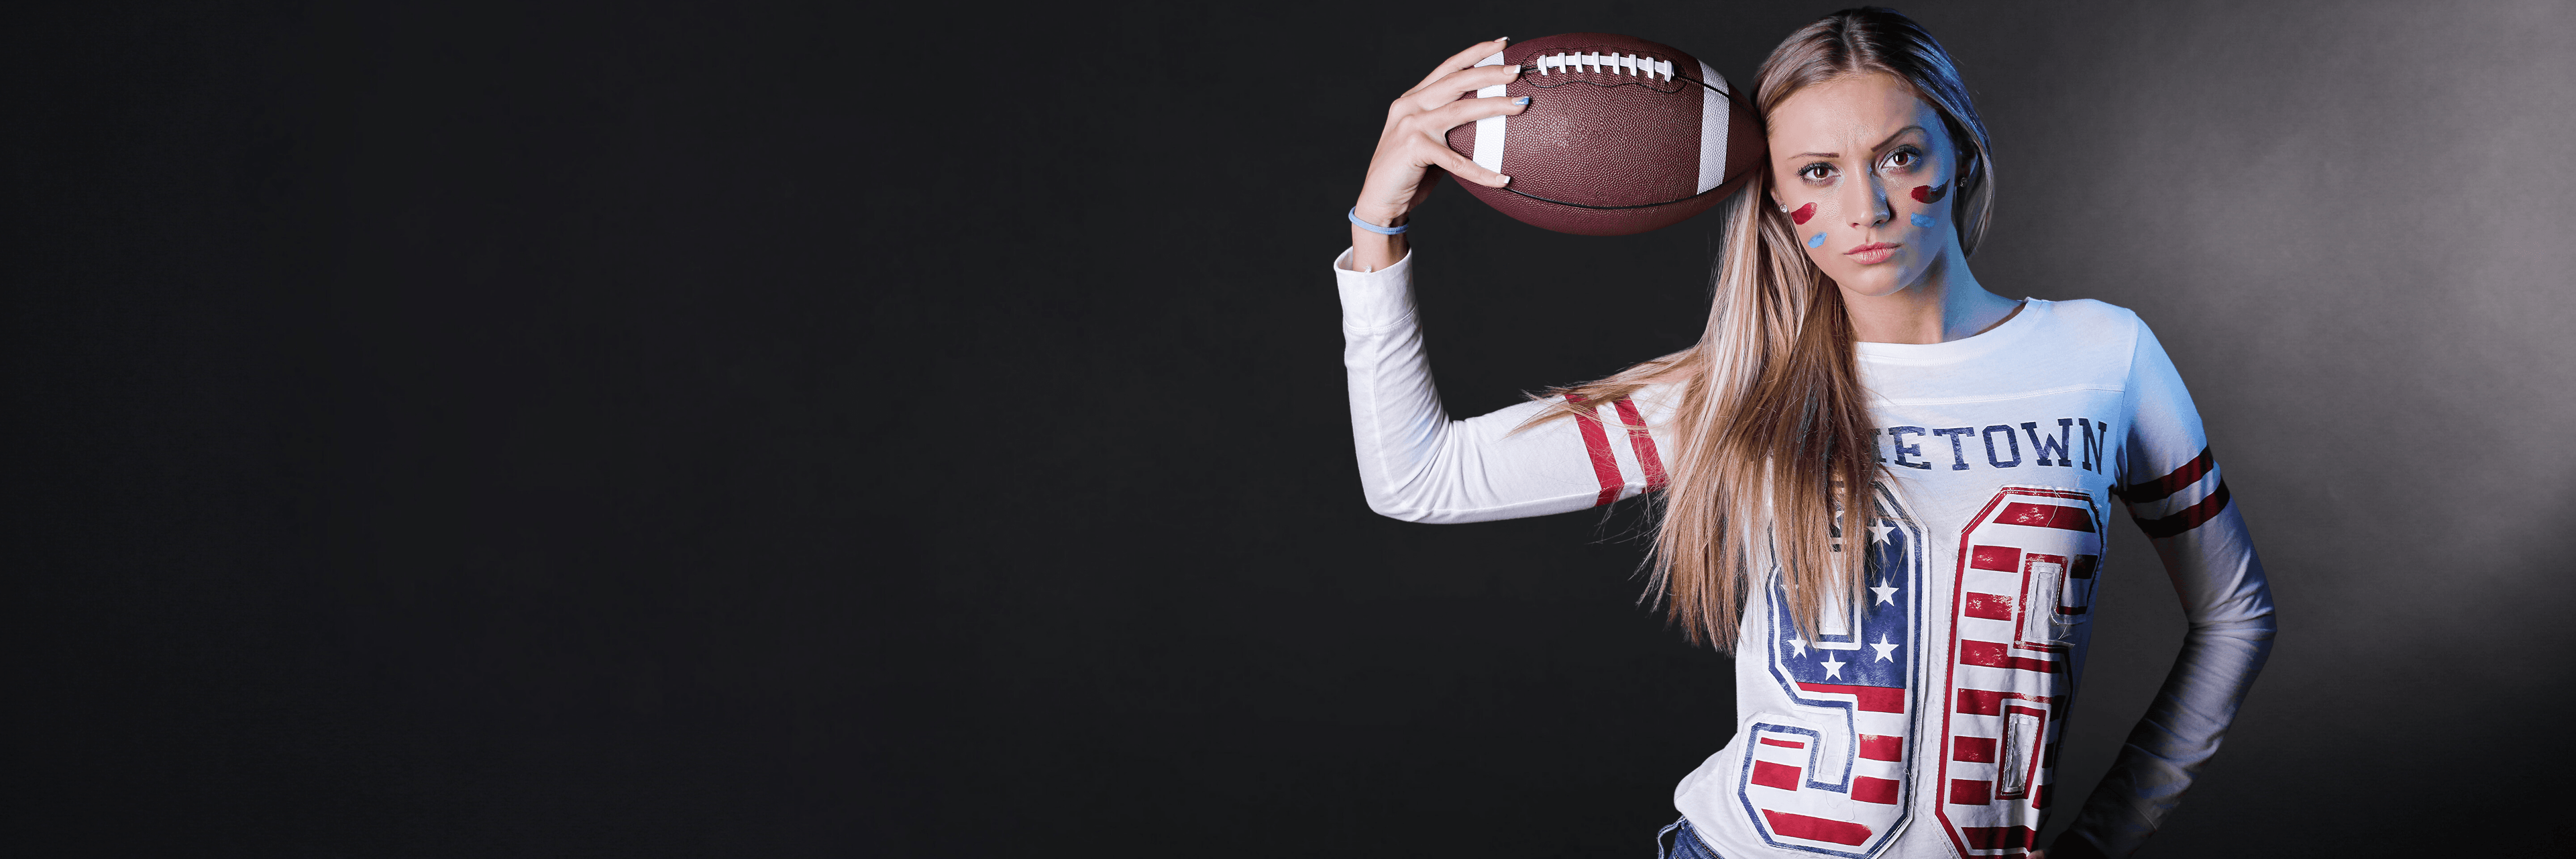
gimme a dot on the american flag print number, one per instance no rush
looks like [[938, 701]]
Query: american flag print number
[[2024, 590], [1833, 776]]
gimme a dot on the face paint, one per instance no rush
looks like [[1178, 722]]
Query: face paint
[[1920, 220], [1803, 213], [1816, 241], [1930, 193]]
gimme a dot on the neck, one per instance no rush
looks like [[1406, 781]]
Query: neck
[[1946, 303]]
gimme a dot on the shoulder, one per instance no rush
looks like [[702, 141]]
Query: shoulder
[[2091, 339], [2098, 319]]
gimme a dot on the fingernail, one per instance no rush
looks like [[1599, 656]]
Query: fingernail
[[1514, 69], [1504, 39], [1507, 180], [1522, 101]]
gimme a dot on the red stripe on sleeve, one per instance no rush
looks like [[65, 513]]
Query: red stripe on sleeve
[[2191, 517], [1644, 444], [2190, 473], [1605, 467]]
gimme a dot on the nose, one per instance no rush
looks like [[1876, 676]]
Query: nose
[[1872, 205]]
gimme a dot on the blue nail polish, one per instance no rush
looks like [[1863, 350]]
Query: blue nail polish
[[1816, 241], [1921, 221], [1522, 101]]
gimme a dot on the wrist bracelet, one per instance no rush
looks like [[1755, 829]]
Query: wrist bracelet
[[1383, 231]]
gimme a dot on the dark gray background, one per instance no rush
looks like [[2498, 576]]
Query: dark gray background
[[816, 431]]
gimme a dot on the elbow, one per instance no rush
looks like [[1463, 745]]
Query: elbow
[[1389, 506]]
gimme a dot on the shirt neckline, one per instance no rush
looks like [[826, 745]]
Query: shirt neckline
[[1966, 348]]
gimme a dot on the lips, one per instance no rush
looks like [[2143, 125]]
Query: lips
[[1872, 253]]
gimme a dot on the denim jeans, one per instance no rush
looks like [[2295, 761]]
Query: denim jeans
[[1678, 841]]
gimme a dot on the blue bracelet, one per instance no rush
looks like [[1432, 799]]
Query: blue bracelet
[[1383, 231]]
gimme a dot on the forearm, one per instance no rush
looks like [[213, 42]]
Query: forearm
[[2232, 623], [1418, 465], [1371, 251]]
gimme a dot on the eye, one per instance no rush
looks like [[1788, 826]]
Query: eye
[[1817, 172], [1905, 157]]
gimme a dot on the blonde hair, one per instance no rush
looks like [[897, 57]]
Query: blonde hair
[[1771, 425]]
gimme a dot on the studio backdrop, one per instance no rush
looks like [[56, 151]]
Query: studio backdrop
[[825, 430]]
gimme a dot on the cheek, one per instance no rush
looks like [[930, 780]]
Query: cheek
[[1927, 195], [1803, 213], [1816, 241]]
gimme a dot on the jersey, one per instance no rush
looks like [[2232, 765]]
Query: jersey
[[1923, 721]]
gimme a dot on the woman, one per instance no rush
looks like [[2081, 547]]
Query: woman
[[1880, 484]]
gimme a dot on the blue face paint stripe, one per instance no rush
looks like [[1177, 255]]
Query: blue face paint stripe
[[1921, 221], [1816, 241]]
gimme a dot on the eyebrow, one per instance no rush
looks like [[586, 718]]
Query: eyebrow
[[1881, 144]]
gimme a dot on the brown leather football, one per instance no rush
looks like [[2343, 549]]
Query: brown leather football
[[1621, 136]]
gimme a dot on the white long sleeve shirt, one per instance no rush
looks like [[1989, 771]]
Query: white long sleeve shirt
[[1924, 723]]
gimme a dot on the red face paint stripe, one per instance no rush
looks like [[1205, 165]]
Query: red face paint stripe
[[1644, 445], [2189, 518], [2190, 473], [1803, 213], [1605, 467], [1815, 828], [1930, 193]]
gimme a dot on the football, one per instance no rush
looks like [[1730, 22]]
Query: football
[[1621, 136]]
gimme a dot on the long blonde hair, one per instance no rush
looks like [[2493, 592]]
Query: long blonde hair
[[1771, 422]]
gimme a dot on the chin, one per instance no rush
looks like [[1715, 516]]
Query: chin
[[1874, 281], [1869, 284]]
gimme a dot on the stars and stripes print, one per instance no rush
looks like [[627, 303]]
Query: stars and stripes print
[[1831, 776], [2027, 566]]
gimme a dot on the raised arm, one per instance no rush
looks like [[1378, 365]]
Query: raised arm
[[2174, 490], [1418, 465], [1415, 463]]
